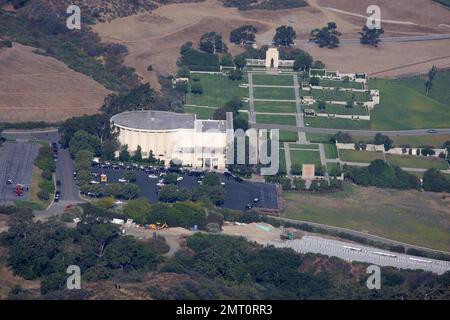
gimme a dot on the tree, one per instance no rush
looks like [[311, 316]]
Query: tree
[[227, 60], [186, 47], [342, 137], [130, 176], [284, 36], [235, 75], [124, 155], [130, 191], [171, 194], [170, 178], [327, 36], [321, 105], [318, 65], [197, 88], [211, 179], [211, 42], [436, 181], [84, 141], [303, 61], [371, 36], [109, 148], [244, 35], [384, 140], [429, 83], [350, 104], [138, 210], [314, 81], [240, 62], [137, 156]]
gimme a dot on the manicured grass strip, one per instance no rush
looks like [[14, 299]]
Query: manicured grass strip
[[410, 216], [359, 156], [335, 95], [34, 190], [300, 157], [282, 160], [276, 119], [402, 107], [341, 84], [318, 137], [322, 122], [274, 93], [332, 165], [304, 146], [275, 107], [416, 162], [288, 136], [338, 109], [435, 140], [330, 151], [217, 90], [277, 80], [202, 113]]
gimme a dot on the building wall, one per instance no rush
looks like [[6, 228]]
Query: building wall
[[187, 145]]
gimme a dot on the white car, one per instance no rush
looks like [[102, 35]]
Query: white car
[[180, 179], [94, 182], [122, 180], [160, 184], [222, 184], [118, 202], [153, 176]]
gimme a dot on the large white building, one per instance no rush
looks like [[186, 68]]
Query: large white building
[[175, 136]]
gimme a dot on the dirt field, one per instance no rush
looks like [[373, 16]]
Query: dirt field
[[34, 87], [259, 232], [156, 38]]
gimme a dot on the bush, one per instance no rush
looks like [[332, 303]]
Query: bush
[[43, 195], [47, 175], [197, 88]]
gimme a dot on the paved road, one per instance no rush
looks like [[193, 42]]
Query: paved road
[[429, 37], [356, 252], [415, 132], [251, 100]]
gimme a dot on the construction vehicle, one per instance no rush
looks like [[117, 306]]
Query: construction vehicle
[[19, 190], [157, 226]]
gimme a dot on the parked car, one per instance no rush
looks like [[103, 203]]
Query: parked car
[[94, 182], [57, 196], [9, 181], [123, 180], [432, 131], [153, 176], [239, 179], [180, 179]]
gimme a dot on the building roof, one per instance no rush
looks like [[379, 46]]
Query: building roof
[[154, 120]]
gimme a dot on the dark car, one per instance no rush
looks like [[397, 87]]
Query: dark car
[[58, 183], [57, 196], [248, 207], [239, 179]]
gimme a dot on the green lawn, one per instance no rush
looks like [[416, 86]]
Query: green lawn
[[217, 90], [276, 119], [416, 162], [282, 161], [330, 151], [275, 107], [420, 218], [318, 137], [202, 113], [403, 107], [300, 157], [288, 136], [322, 122], [275, 80], [338, 109], [303, 146], [274, 93], [332, 165], [435, 140], [335, 95], [359, 156], [341, 84]]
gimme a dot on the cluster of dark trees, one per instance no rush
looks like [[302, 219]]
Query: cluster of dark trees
[[181, 214], [436, 181], [382, 175], [45, 162], [327, 36], [371, 36], [44, 250], [245, 270]]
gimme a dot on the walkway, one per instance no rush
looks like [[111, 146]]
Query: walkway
[[299, 117], [251, 100]]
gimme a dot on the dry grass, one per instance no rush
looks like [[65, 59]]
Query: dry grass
[[34, 87], [156, 38]]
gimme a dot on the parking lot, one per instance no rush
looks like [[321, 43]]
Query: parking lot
[[16, 163], [237, 195], [355, 252]]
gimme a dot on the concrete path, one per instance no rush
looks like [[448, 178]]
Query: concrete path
[[273, 86], [287, 156], [299, 117], [251, 100]]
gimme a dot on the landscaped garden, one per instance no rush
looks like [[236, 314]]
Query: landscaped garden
[[275, 107], [359, 155], [273, 80], [276, 119], [408, 161]]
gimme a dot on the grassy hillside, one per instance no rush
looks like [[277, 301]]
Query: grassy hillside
[[406, 107]]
